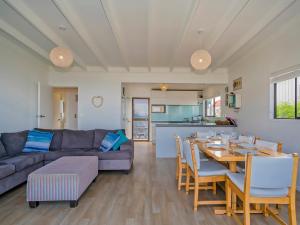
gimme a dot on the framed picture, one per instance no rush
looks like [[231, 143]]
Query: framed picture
[[237, 84], [158, 108]]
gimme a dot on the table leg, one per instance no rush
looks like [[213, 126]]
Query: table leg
[[232, 167]]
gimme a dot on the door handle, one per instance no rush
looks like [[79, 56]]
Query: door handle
[[41, 116]]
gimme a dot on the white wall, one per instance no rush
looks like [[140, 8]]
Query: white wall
[[281, 50], [20, 70]]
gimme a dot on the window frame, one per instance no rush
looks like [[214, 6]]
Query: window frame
[[297, 117], [214, 111], [214, 106]]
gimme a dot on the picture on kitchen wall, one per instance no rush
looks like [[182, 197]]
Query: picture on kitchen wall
[[237, 84]]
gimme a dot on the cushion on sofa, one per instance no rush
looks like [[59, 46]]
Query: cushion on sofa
[[2, 150], [6, 170], [24, 160], [38, 141], [77, 139], [100, 134], [109, 141], [14, 142], [56, 139], [122, 140]]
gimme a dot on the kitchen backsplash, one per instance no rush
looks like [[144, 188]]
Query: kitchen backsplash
[[178, 113]]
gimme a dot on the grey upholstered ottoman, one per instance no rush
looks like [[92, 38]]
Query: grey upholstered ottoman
[[62, 180]]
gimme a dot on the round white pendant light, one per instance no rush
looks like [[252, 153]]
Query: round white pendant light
[[61, 57], [200, 60]]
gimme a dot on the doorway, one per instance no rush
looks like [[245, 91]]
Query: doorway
[[140, 119], [65, 108]]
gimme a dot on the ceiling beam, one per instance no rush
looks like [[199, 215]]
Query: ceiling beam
[[23, 39], [232, 14], [115, 28], [68, 12], [274, 12], [188, 21], [41, 26]]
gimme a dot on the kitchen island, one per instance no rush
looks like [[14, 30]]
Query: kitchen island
[[165, 134]]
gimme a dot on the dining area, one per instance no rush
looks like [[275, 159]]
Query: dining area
[[243, 175]]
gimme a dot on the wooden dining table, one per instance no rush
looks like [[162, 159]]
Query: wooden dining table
[[230, 155]]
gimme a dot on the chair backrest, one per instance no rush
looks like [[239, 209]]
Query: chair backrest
[[192, 155], [212, 133], [271, 172], [179, 147], [267, 145], [247, 139], [203, 134]]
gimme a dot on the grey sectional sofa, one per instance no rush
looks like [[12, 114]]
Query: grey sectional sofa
[[15, 165]]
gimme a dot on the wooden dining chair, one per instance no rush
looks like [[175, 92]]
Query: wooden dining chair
[[260, 144], [181, 163], [246, 139], [268, 180], [275, 146], [205, 174]]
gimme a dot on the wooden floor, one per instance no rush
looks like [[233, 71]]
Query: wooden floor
[[148, 195]]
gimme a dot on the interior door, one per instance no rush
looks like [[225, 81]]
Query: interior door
[[44, 106], [140, 119]]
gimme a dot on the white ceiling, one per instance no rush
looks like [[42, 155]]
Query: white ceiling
[[139, 35]]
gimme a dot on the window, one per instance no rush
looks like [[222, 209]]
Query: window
[[218, 106], [287, 99], [213, 107]]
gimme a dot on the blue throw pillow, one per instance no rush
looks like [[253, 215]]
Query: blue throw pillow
[[38, 141], [108, 142], [123, 139]]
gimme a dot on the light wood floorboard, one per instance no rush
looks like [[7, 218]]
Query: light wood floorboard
[[148, 195]]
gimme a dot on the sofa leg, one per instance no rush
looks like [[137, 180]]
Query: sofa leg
[[126, 172], [33, 204], [73, 204]]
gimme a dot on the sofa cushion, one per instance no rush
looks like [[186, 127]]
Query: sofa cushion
[[6, 170], [77, 139], [14, 142], [56, 139], [114, 155], [38, 141], [2, 150], [109, 141], [99, 136], [24, 160], [53, 155], [122, 140]]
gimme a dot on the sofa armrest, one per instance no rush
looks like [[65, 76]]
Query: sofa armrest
[[128, 146]]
